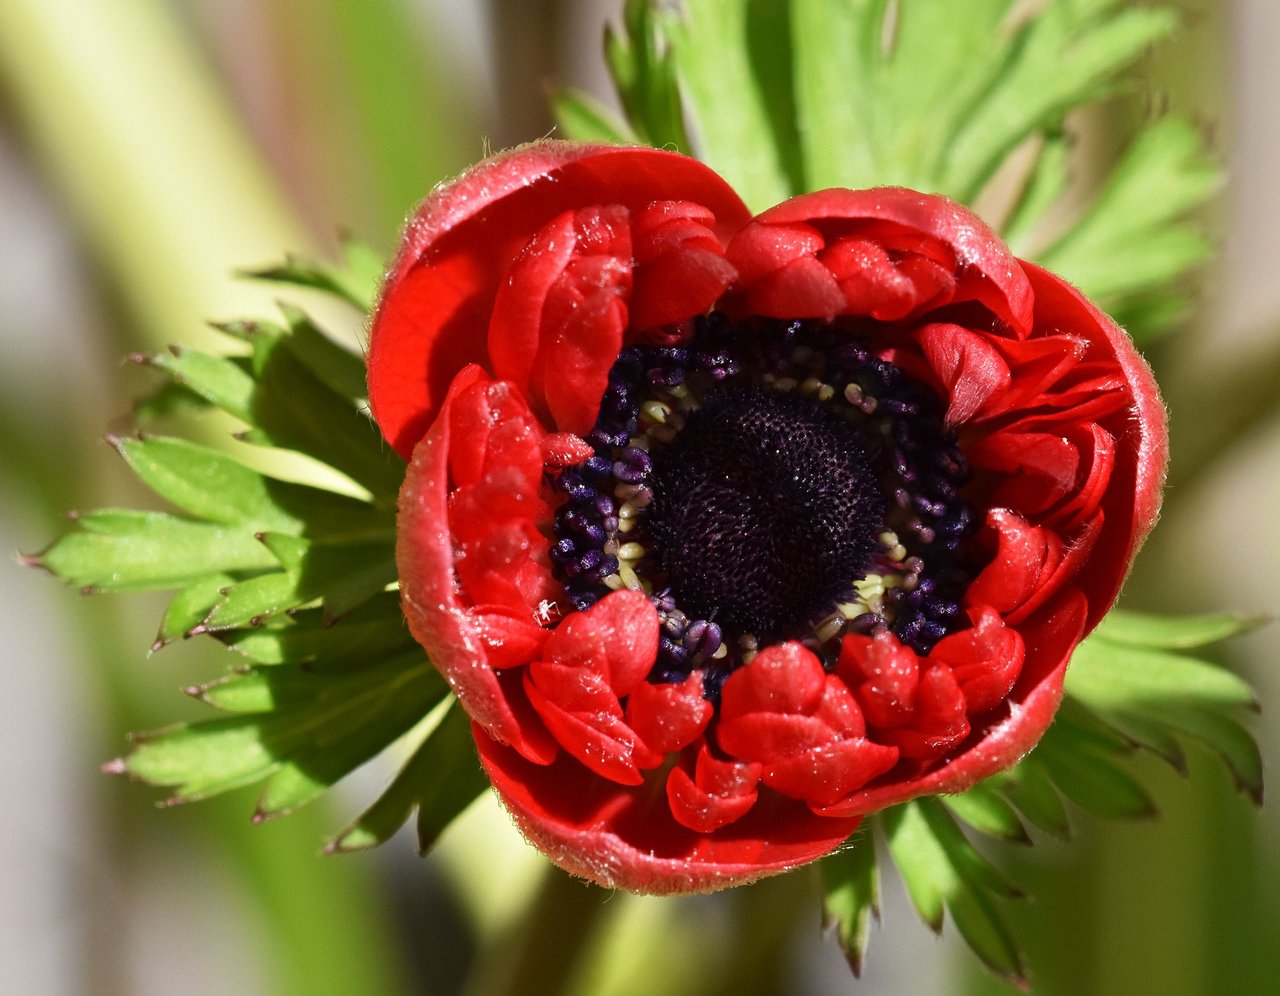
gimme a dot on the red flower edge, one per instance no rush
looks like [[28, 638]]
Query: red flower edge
[[514, 290]]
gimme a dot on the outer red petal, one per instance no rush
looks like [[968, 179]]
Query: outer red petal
[[1131, 502], [623, 837], [455, 634], [436, 303]]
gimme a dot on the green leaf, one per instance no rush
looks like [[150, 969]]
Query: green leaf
[[190, 606], [356, 282], [288, 406], [1107, 675], [579, 116], [940, 868], [337, 730], [1083, 758], [733, 64], [984, 809], [1031, 790], [643, 71], [851, 896], [343, 575], [1045, 184], [1131, 238], [211, 485], [168, 401], [1059, 59], [372, 632], [333, 364], [220, 380], [1171, 632], [441, 779], [129, 550], [402, 702]]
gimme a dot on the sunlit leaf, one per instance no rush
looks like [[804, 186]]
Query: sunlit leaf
[[941, 869], [441, 779]]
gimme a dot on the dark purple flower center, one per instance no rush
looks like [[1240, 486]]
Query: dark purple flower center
[[764, 481], [766, 507]]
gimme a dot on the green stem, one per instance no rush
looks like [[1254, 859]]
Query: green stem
[[542, 952]]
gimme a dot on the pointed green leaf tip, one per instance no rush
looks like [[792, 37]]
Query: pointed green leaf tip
[[851, 895], [1133, 675], [296, 579]]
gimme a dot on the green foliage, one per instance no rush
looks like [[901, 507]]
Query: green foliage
[[1130, 687], [297, 579], [958, 99], [851, 896]]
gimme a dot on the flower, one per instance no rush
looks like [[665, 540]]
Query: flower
[[729, 530]]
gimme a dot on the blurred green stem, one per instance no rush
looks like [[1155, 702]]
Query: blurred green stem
[[111, 95]]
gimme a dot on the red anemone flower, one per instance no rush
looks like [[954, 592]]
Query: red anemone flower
[[729, 530]]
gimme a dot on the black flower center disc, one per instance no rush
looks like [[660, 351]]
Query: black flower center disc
[[766, 507]]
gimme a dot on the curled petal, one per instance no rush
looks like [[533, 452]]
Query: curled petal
[[617, 639], [802, 725], [669, 716], [1024, 556], [969, 367], [624, 837], [680, 265], [987, 272], [937, 722], [558, 319], [885, 674], [985, 660], [718, 793], [452, 630], [584, 716], [829, 772], [784, 678], [1050, 639]]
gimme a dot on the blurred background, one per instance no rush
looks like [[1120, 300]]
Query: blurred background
[[150, 147]]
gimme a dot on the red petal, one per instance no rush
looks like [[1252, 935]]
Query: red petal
[[445, 626], [509, 641], [670, 716], [985, 660], [585, 718], [986, 269], [617, 638], [827, 773], [969, 367], [1050, 639], [884, 674], [720, 793], [871, 283], [784, 677], [767, 736], [938, 722], [680, 266], [1024, 554], [436, 303], [1132, 500]]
